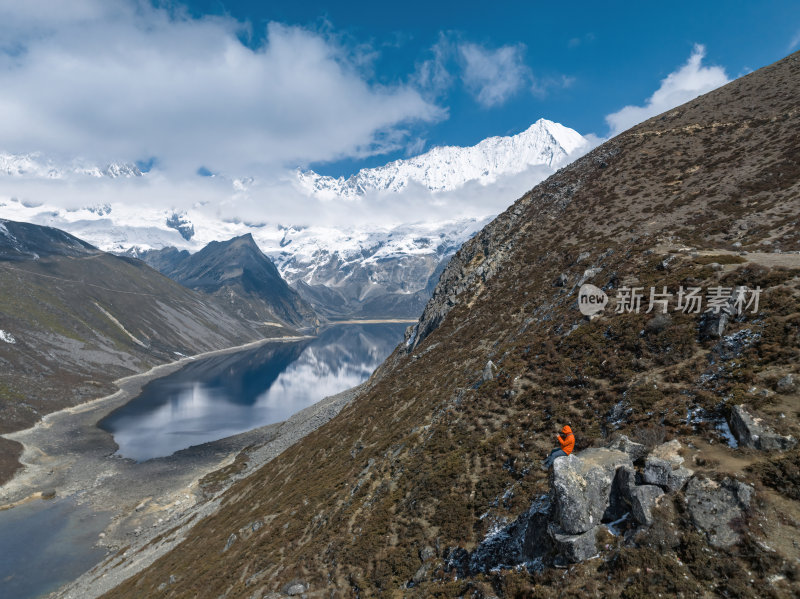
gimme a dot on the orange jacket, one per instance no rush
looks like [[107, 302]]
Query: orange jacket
[[568, 442]]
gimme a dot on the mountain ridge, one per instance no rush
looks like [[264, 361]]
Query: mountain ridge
[[442, 451], [343, 272], [445, 168], [74, 319], [239, 274], [32, 165]]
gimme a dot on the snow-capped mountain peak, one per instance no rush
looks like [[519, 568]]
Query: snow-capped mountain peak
[[445, 168], [35, 166]]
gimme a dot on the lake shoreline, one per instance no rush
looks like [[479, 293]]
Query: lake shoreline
[[38, 465], [153, 527], [154, 503]]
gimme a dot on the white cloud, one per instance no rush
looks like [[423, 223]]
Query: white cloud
[[494, 76], [433, 75], [795, 42], [277, 199], [121, 80], [691, 80]]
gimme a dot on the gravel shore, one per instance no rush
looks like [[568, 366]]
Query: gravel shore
[[153, 503]]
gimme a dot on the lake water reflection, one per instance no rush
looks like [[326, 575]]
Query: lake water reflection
[[44, 544], [225, 395]]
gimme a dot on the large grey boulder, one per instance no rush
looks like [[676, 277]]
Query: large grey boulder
[[751, 431], [581, 487], [664, 467], [643, 499], [633, 449], [715, 507], [574, 548]]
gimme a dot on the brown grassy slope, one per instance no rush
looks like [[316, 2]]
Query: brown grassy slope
[[74, 319], [420, 458]]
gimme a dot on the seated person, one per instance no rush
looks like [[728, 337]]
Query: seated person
[[567, 443]]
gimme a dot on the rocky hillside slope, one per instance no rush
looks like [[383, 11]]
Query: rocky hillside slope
[[401, 493], [239, 275], [73, 319]]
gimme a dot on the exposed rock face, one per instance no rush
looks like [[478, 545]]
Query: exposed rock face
[[181, 224], [713, 324], [715, 507], [620, 495], [663, 467], [575, 548], [582, 487], [751, 431], [643, 499], [624, 444], [786, 384], [473, 265], [488, 371], [237, 272], [295, 588], [231, 540], [524, 541], [599, 485]]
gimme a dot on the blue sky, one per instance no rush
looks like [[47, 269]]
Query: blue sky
[[256, 89], [587, 59]]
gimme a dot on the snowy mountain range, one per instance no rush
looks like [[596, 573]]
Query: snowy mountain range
[[446, 168], [34, 165], [365, 271]]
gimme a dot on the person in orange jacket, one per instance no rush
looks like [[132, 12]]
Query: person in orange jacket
[[567, 443]]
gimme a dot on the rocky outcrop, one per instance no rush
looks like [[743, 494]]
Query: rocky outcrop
[[574, 548], [786, 384], [643, 499], [581, 487], [296, 587], [488, 371], [715, 508], [751, 431], [636, 451], [713, 324], [474, 264], [524, 541], [664, 467], [590, 488]]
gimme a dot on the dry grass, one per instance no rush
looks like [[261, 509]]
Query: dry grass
[[429, 456]]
